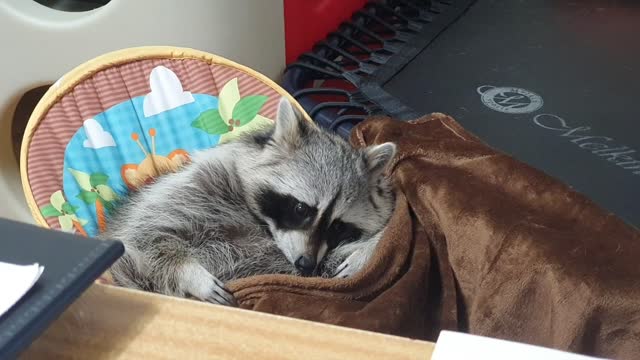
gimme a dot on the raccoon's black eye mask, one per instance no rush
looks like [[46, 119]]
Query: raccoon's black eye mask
[[285, 210], [292, 214]]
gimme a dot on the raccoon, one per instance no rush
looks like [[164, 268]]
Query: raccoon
[[288, 199]]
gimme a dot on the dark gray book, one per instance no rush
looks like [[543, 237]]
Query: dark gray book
[[71, 264]]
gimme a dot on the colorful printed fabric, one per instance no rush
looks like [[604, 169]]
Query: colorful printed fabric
[[127, 124]]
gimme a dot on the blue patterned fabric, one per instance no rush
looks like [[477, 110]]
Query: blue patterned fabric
[[173, 131]]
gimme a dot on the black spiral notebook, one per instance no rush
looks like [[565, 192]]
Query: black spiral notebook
[[71, 264]]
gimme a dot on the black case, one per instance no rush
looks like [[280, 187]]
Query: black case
[[71, 264]]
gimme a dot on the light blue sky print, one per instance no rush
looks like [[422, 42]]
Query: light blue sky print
[[173, 131]]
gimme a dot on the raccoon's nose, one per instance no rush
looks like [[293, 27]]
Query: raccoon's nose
[[305, 265]]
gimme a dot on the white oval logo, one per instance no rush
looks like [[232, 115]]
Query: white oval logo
[[510, 100]]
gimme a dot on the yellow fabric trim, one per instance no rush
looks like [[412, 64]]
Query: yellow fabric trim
[[100, 63]]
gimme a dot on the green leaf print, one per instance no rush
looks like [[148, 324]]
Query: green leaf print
[[98, 179], [69, 209], [247, 108], [89, 197], [211, 122], [49, 211]]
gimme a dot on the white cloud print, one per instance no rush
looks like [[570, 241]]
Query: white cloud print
[[97, 137], [166, 92]]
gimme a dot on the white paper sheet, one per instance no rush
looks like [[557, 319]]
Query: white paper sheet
[[15, 281], [459, 346]]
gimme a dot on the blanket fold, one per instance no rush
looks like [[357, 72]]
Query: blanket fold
[[482, 243]]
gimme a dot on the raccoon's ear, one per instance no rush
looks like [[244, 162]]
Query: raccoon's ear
[[379, 156], [291, 126]]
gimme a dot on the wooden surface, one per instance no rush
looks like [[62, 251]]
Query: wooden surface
[[115, 323]]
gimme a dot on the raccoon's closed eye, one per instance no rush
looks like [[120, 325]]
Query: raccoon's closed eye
[[341, 232]]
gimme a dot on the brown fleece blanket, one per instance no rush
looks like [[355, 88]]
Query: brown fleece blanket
[[481, 243]]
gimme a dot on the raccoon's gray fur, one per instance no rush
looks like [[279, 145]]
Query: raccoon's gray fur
[[292, 199]]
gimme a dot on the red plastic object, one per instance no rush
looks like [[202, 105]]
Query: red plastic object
[[309, 21]]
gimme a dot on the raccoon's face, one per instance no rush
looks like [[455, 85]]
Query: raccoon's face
[[315, 191]]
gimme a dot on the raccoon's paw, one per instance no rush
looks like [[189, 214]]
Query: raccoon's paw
[[361, 253], [199, 283], [218, 294], [352, 264]]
